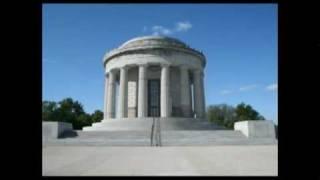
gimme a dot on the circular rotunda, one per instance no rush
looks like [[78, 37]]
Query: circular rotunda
[[154, 76]]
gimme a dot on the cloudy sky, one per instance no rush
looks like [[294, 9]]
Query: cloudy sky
[[238, 40]]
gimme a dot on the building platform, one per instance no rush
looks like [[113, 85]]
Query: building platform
[[261, 160], [144, 124]]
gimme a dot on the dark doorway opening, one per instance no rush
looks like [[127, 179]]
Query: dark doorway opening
[[154, 98]]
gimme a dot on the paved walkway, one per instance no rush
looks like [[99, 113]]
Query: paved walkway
[[157, 161]]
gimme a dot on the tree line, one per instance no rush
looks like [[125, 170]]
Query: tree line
[[226, 115], [71, 111], [68, 110]]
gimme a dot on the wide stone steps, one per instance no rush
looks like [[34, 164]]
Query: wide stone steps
[[218, 137], [169, 138], [146, 123]]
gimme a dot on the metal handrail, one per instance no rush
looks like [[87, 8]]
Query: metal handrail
[[152, 131], [155, 129], [159, 133]]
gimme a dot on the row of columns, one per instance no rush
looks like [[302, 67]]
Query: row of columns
[[165, 102]]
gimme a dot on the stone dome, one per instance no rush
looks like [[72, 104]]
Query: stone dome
[[151, 42], [154, 41]]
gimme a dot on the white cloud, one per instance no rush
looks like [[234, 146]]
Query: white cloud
[[155, 33], [183, 26], [249, 87], [145, 28], [161, 30], [272, 87], [224, 92], [180, 27]]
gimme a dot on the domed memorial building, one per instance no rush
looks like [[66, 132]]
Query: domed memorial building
[[153, 76]]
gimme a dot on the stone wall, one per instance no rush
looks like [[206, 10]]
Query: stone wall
[[132, 92], [52, 130], [256, 128]]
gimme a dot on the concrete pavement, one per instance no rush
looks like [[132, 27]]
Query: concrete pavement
[[235, 160]]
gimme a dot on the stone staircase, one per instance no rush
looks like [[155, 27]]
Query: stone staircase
[[168, 137], [144, 124]]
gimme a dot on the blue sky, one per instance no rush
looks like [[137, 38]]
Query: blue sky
[[238, 40]]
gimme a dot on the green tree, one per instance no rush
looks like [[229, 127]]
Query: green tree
[[246, 112], [226, 115], [222, 114], [48, 110], [77, 108], [67, 110], [81, 121], [97, 116]]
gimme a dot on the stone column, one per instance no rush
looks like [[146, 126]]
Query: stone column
[[123, 93], [203, 96], [185, 92], [110, 108], [142, 91], [105, 111], [190, 96], [165, 90], [198, 98]]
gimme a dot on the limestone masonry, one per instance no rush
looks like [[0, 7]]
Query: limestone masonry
[[154, 76]]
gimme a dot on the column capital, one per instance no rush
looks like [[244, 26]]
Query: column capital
[[184, 67], [125, 67], [165, 65], [143, 65], [198, 71], [113, 70]]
